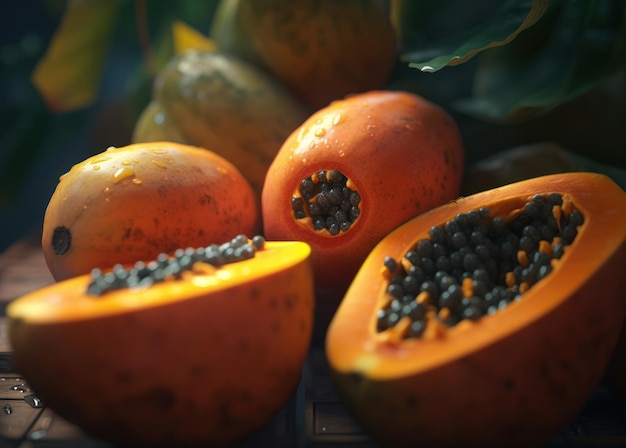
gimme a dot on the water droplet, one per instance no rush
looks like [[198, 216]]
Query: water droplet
[[33, 401], [65, 197], [8, 409], [159, 163], [107, 189], [100, 159], [320, 132], [137, 181], [96, 167], [338, 118], [159, 151], [122, 173], [126, 162], [110, 148], [62, 176], [19, 388]]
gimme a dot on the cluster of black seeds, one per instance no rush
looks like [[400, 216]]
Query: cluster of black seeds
[[164, 267], [476, 264], [328, 201]]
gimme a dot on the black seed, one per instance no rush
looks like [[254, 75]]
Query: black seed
[[437, 234], [391, 264], [425, 248]]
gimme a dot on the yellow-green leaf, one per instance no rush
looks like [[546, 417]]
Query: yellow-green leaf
[[68, 76], [186, 37]]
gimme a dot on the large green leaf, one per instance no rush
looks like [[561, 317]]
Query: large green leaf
[[577, 45], [68, 76], [456, 34]]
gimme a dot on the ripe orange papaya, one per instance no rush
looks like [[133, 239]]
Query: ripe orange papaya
[[136, 201], [354, 171], [201, 356], [487, 321]]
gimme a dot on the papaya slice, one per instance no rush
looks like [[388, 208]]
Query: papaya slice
[[202, 358], [511, 375]]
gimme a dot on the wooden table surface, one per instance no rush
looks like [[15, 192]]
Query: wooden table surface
[[313, 418]]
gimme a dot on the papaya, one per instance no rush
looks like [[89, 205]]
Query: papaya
[[355, 170], [154, 125], [321, 50], [487, 321], [136, 201], [221, 103], [203, 354]]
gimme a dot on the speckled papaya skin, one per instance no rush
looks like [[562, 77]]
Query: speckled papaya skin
[[403, 154], [321, 50], [202, 361], [222, 103], [133, 202], [514, 378]]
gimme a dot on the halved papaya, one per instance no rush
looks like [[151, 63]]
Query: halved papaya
[[203, 356], [500, 347]]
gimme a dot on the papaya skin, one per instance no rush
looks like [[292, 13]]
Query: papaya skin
[[321, 50], [154, 125], [202, 361], [403, 155], [514, 378], [134, 202], [228, 106]]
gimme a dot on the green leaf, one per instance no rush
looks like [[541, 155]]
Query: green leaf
[[430, 52], [577, 45], [68, 76]]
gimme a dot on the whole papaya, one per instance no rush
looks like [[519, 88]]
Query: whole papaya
[[321, 50], [226, 105], [353, 172], [134, 202]]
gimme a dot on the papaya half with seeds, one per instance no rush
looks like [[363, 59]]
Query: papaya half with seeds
[[321, 50], [487, 321], [204, 358], [222, 103], [354, 171], [134, 202]]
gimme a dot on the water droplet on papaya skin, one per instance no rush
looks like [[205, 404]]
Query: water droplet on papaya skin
[[159, 151], [126, 162], [137, 181], [338, 118], [96, 167], [122, 174], [320, 132], [159, 163], [100, 159]]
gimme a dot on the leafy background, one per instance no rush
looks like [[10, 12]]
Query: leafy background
[[75, 74]]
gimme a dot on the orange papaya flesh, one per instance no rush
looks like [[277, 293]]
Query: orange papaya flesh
[[514, 377], [200, 360]]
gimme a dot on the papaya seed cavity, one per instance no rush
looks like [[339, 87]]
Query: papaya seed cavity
[[475, 265], [327, 202], [61, 240]]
